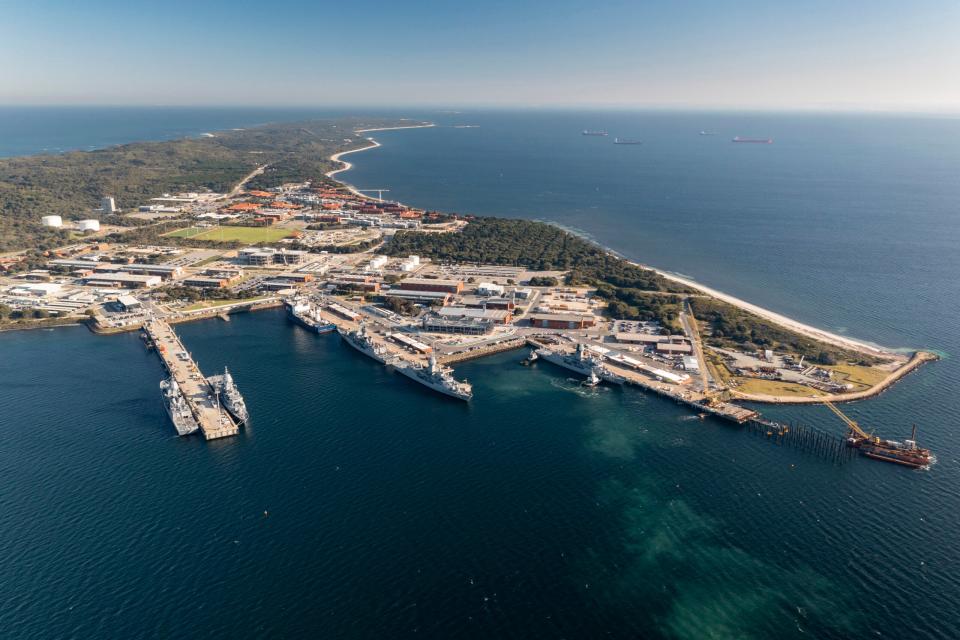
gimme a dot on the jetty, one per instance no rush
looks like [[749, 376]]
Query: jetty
[[200, 396]]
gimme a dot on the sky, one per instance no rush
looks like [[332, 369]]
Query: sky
[[798, 54]]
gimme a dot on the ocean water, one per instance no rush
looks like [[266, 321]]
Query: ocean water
[[358, 505], [35, 130]]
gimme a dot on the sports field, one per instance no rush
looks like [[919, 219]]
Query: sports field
[[250, 235]]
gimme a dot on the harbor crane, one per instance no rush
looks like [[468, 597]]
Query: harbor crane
[[906, 453], [379, 192]]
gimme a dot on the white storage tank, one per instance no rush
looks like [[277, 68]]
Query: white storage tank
[[51, 221], [88, 225]]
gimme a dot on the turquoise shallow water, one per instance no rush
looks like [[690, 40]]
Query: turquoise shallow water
[[358, 505]]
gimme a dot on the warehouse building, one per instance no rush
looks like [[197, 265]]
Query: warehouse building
[[496, 316], [426, 284], [561, 321]]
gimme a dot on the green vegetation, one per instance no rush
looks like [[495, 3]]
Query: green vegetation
[[213, 304], [188, 232], [543, 281], [760, 386], [403, 307], [71, 184], [733, 327], [177, 292], [246, 235], [543, 247]]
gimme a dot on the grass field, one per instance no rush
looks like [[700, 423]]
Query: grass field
[[250, 235], [775, 388], [213, 304], [860, 377]]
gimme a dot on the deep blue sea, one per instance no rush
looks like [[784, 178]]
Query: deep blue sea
[[357, 505]]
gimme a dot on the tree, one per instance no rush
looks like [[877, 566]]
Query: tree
[[5, 311]]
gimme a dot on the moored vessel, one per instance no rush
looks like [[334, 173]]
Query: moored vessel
[[302, 311], [230, 397], [626, 141], [362, 342], [177, 408], [753, 140], [597, 132], [437, 377]]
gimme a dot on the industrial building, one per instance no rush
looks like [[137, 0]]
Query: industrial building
[[490, 289], [52, 221], [426, 284], [426, 297], [437, 324], [124, 280], [561, 321], [496, 316], [266, 255]]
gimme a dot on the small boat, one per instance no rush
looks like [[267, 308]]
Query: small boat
[[592, 380]]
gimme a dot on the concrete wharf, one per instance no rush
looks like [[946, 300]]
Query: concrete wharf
[[214, 421], [696, 400]]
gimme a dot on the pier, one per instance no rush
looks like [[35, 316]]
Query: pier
[[213, 420]]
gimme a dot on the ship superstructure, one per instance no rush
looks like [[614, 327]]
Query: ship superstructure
[[302, 311], [177, 408], [583, 362], [362, 342], [229, 396], [439, 378]]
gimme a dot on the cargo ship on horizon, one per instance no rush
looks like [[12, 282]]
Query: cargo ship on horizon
[[753, 140], [626, 141], [599, 132]]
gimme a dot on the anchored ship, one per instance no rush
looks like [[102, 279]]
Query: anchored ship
[[708, 133], [588, 132], [626, 141], [906, 453], [754, 140], [362, 342], [438, 378], [229, 395], [177, 408], [307, 315]]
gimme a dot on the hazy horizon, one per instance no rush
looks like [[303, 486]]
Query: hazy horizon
[[692, 54]]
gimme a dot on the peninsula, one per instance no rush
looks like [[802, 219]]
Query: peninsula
[[249, 219]]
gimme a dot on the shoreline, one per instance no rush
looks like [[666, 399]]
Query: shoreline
[[348, 165], [796, 326], [373, 144], [918, 359]]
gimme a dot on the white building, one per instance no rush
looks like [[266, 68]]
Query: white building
[[52, 221], [691, 364], [107, 205], [88, 225], [489, 289], [377, 263]]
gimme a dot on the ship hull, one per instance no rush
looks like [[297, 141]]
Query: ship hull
[[450, 393], [314, 327], [183, 424], [365, 351]]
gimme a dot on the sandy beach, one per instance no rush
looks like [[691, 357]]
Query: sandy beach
[[412, 126], [772, 316]]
